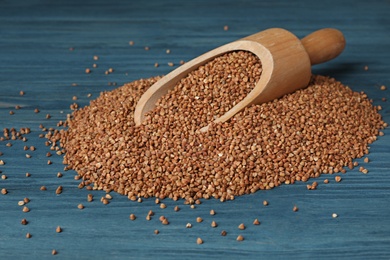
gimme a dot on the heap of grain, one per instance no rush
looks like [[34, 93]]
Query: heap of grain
[[320, 129]]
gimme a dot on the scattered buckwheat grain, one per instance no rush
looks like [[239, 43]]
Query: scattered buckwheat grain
[[59, 190]]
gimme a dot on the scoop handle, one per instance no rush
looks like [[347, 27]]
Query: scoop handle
[[323, 45]]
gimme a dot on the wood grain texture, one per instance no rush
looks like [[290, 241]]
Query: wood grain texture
[[35, 37], [284, 58]]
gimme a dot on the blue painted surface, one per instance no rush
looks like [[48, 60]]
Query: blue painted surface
[[35, 37]]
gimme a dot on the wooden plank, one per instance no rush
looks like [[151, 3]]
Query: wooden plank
[[35, 37]]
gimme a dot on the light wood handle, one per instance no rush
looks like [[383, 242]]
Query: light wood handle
[[323, 45]]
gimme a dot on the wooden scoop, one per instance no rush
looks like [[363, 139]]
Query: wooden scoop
[[286, 63]]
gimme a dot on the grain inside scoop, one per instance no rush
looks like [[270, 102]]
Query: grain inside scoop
[[286, 63]]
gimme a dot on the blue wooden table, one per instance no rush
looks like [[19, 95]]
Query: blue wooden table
[[45, 47]]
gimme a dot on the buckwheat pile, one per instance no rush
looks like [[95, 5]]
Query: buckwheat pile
[[320, 129]]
